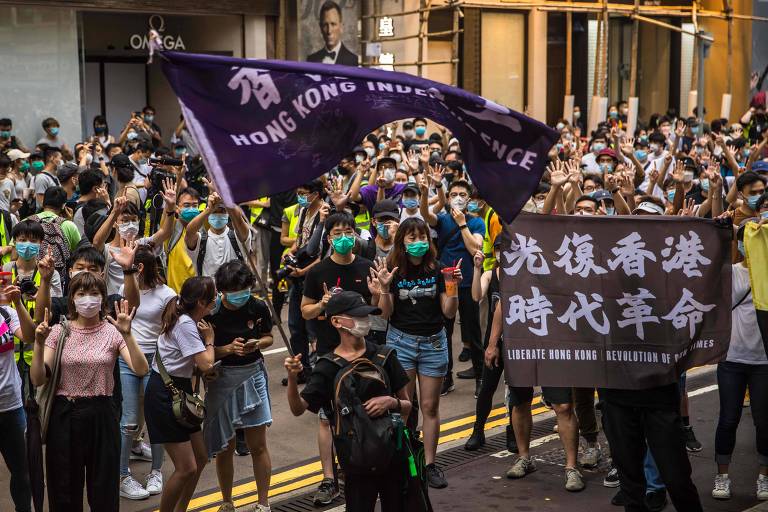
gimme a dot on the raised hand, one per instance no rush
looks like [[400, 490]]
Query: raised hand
[[424, 155], [169, 194], [412, 160], [458, 217], [214, 200], [293, 365], [119, 206], [325, 209], [335, 191], [383, 274], [436, 174], [43, 329], [326, 295], [680, 128], [123, 316], [45, 265], [677, 174], [687, 209], [124, 254], [477, 259], [628, 148]]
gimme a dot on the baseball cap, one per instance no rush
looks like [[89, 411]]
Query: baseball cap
[[386, 159], [349, 303], [603, 195], [607, 152], [649, 207], [412, 187], [67, 171], [386, 208], [16, 154], [120, 160], [760, 166]]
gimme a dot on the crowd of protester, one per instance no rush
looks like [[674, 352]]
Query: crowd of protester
[[127, 283]]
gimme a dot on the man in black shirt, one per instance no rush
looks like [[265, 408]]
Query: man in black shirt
[[349, 316], [341, 271]]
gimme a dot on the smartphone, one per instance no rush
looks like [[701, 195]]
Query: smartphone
[[252, 344]]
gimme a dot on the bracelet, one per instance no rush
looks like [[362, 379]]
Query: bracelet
[[439, 185], [131, 270], [208, 345], [615, 190], [399, 405], [463, 226]]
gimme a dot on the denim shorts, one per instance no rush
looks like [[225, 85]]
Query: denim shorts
[[428, 355]]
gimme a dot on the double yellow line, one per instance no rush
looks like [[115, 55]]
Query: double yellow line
[[311, 473]]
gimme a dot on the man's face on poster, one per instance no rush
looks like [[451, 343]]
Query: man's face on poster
[[330, 26]]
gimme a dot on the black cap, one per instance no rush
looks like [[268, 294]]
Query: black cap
[[386, 208], [688, 162], [349, 303], [412, 187], [358, 149], [120, 160], [67, 171], [386, 159], [407, 125], [603, 195]]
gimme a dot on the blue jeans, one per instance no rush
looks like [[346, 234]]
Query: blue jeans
[[652, 477], [13, 445], [133, 387], [428, 355]]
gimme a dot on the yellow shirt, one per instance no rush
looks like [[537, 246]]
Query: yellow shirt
[[180, 265]]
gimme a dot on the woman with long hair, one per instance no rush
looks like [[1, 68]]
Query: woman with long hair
[[101, 131], [83, 437], [414, 299], [185, 342], [238, 397], [147, 324]]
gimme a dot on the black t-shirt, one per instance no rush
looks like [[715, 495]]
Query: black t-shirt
[[318, 393], [352, 277], [252, 321], [277, 204], [660, 397], [417, 302]]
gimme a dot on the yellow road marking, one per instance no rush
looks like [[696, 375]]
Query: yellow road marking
[[471, 419], [273, 492]]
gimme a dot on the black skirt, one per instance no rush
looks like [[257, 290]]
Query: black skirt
[[158, 411]]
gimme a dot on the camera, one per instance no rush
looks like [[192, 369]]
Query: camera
[[164, 160], [298, 261], [27, 286]]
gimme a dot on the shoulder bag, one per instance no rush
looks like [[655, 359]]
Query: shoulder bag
[[188, 409], [47, 392]]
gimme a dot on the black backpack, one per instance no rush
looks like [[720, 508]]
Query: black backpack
[[204, 247], [365, 445]]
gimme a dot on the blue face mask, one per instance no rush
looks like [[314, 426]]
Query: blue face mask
[[606, 168], [5, 134], [704, 184], [641, 155], [473, 207], [764, 214], [610, 210], [238, 299], [742, 250], [218, 220], [217, 305], [752, 201], [132, 135], [189, 213], [411, 202], [142, 161], [598, 146], [613, 115], [54, 131], [149, 118], [420, 130], [671, 195], [383, 231], [27, 250], [302, 200]]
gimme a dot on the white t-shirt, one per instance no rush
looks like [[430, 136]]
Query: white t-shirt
[[10, 381], [177, 348], [149, 315], [746, 342], [7, 193], [115, 276], [218, 251]]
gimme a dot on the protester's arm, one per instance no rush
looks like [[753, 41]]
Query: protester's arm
[[285, 237], [166, 222], [297, 404], [480, 282], [756, 153], [42, 356], [131, 352], [424, 209], [381, 273], [100, 238], [730, 159], [192, 235], [27, 326], [241, 225], [716, 191], [354, 189], [312, 308], [472, 241], [124, 256], [45, 267]]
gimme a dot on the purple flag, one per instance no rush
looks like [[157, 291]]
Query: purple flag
[[265, 126]]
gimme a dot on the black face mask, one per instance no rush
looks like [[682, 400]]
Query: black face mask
[[448, 177], [343, 171]]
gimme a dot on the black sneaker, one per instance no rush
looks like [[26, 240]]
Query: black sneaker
[[465, 355], [435, 477], [447, 385], [691, 443], [511, 441], [612, 478], [327, 491], [469, 373], [655, 501], [619, 500], [476, 440]]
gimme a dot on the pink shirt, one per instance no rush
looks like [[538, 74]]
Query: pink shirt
[[88, 360]]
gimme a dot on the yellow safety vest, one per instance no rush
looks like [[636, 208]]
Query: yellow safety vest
[[490, 261], [5, 239], [255, 212], [30, 305]]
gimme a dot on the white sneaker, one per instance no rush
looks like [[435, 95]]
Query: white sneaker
[[591, 455], [227, 507], [141, 451], [154, 482], [722, 490], [132, 490], [261, 508], [762, 487], [573, 480]]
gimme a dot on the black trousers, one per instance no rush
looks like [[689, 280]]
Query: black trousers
[[469, 311], [361, 491], [275, 255], [627, 429], [83, 448], [488, 385]]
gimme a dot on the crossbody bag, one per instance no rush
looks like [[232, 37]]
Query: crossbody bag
[[188, 409]]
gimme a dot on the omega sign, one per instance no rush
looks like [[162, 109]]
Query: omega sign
[[156, 22]]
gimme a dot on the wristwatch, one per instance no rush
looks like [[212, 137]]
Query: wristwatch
[[463, 226], [131, 270]]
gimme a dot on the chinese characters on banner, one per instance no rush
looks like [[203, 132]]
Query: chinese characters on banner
[[264, 126], [616, 302]]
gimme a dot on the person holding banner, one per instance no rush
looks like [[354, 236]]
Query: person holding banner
[[744, 368], [416, 293]]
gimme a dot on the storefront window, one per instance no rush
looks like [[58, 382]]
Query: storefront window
[[503, 71]]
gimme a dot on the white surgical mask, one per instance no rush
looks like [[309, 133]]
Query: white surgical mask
[[362, 327], [458, 203], [128, 230], [370, 151], [408, 134], [88, 158], [88, 306], [389, 174]]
